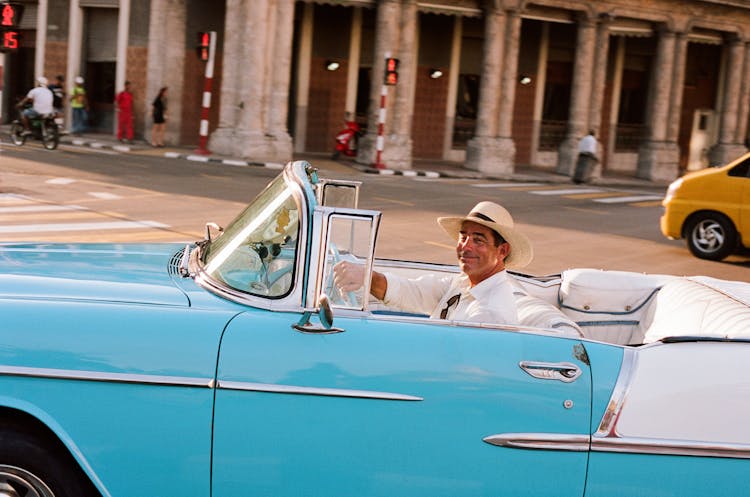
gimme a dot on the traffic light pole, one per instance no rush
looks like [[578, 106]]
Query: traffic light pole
[[206, 102], [380, 141]]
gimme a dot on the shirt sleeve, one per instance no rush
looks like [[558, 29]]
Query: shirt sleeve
[[418, 295]]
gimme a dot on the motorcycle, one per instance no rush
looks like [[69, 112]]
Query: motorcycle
[[43, 128], [346, 140]]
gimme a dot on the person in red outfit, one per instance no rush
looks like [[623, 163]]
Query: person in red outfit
[[124, 101]]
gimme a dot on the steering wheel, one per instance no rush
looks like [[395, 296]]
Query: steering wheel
[[347, 298]]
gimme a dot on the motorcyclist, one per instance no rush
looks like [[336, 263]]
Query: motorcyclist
[[41, 99]]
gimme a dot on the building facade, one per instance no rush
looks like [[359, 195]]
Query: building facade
[[490, 84]]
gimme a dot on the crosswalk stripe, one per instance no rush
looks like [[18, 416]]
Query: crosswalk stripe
[[567, 191], [40, 208], [48, 217], [624, 200], [587, 196], [503, 185], [111, 225]]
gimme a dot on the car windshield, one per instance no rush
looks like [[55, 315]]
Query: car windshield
[[256, 253]]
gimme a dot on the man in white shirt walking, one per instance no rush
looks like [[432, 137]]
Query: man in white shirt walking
[[486, 244], [587, 158], [41, 98]]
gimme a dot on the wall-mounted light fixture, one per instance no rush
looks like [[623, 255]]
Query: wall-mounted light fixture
[[436, 73], [332, 65], [524, 79]]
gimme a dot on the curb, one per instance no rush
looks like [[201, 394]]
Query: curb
[[398, 172], [227, 162]]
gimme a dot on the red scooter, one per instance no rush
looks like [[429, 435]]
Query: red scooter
[[346, 140]]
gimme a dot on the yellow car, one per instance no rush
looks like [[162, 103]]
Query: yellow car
[[710, 209]]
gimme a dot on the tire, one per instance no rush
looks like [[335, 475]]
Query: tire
[[16, 134], [32, 468], [711, 236], [50, 135]]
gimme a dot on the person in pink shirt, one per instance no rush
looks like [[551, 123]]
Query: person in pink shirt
[[124, 101]]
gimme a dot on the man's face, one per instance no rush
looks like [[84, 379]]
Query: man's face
[[478, 256]]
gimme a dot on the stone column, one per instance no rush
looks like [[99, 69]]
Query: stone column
[[166, 57], [508, 97], [386, 42], [658, 159], [580, 96], [678, 82], [728, 149], [304, 56], [742, 114], [255, 81], [482, 151], [398, 143], [280, 62], [597, 88]]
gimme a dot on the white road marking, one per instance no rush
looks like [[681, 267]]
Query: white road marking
[[568, 191], [41, 208], [105, 195], [60, 181], [634, 198], [112, 225], [503, 185], [9, 198]]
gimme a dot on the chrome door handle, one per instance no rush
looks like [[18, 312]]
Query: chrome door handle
[[561, 371]]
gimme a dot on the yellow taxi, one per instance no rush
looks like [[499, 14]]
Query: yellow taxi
[[710, 209]]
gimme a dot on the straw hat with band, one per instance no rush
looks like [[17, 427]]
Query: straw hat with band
[[498, 219]]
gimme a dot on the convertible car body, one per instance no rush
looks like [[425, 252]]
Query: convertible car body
[[234, 367]]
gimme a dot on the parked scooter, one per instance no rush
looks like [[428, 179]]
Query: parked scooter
[[44, 128], [346, 140]]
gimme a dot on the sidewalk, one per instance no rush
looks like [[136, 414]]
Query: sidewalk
[[424, 168]]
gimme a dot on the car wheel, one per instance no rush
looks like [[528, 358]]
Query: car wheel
[[17, 135], [28, 468], [711, 236]]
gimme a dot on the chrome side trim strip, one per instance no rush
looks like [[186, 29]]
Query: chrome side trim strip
[[326, 392], [71, 374], [608, 423], [633, 445], [540, 441]]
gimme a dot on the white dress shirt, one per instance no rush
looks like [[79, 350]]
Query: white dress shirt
[[490, 301]]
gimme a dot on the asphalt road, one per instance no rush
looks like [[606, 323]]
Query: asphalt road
[[84, 194]]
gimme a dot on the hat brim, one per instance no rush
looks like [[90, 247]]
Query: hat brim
[[521, 251]]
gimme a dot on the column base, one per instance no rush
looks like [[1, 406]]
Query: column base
[[658, 161], [254, 146], [723, 153], [491, 156], [567, 153], [397, 151]]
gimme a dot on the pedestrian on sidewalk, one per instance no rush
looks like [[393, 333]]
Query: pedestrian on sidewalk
[[587, 158], [79, 102], [124, 101], [159, 115], [58, 92]]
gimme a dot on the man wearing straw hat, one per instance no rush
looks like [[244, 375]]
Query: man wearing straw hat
[[486, 244]]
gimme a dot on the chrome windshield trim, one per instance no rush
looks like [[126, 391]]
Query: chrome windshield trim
[[541, 441], [608, 423], [325, 392], [79, 375], [633, 445]]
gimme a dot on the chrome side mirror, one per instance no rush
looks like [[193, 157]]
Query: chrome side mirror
[[325, 316]]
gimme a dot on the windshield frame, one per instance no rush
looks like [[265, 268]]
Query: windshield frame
[[299, 178]]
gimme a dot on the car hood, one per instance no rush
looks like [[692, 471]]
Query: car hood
[[135, 273]]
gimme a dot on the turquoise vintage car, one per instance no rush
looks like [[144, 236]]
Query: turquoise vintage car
[[234, 367]]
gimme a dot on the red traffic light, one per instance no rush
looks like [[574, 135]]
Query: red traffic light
[[10, 15], [391, 71], [204, 42]]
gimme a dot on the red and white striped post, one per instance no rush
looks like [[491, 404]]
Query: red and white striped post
[[380, 140], [206, 104]]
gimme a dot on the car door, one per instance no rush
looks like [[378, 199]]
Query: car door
[[397, 406]]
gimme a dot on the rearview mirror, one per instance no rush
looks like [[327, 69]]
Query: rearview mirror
[[325, 316]]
